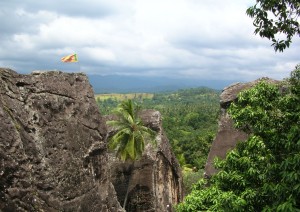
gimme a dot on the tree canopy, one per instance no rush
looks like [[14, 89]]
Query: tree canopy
[[262, 173], [274, 18], [129, 140], [189, 118]]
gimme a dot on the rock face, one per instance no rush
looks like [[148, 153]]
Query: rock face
[[227, 136], [153, 182], [52, 145]]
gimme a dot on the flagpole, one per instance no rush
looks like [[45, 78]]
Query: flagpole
[[79, 67]]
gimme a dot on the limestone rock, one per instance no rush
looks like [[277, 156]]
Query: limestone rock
[[227, 136], [154, 181], [52, 145]]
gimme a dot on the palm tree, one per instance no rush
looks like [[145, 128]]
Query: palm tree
[[129, 141]]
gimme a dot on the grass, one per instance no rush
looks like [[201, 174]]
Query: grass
[[121, 97]]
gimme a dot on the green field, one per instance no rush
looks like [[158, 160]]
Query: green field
[[121, 97]]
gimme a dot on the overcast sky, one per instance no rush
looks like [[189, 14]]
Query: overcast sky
[[177, 38]]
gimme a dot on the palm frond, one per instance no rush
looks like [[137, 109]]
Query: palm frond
[[129, 141], [114, 123], [123, 155], [130, 147], [139, 144]]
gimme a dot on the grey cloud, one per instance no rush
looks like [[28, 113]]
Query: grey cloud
[[71, 8], [23, 17], [13, 23], [180, 50]]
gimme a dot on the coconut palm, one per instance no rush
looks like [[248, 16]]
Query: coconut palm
[[129, 140]]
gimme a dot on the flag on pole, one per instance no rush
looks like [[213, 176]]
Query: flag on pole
[[70, 58]]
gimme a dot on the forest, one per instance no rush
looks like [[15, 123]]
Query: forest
[[262, 173], [189, 118], [259, 174]]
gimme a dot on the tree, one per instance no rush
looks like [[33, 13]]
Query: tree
[[275, 17], [129, 141], [262, 173]]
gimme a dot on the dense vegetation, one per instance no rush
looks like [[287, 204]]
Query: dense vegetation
[[189, 119], [261, 174]]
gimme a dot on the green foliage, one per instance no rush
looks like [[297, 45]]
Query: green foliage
[[189, 120], [276, 17], [106, 106], [190, 177], [261, 174], [129, 141]]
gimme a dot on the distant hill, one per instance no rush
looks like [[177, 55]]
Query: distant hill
[[127, 84]]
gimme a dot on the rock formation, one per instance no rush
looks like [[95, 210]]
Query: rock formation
[[52, 145], [227, 136], [154, 181], [53, 151]]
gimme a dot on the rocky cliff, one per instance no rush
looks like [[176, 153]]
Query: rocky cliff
[[52, 145], [53, 151], [227, 136], [154, 182]]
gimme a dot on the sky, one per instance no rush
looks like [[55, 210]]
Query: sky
[[193, 39]]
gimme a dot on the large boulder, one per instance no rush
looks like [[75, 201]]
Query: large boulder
[[53, 152], [227, 136], [154, 182]]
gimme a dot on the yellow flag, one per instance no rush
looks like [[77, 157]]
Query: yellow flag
[[70, 58]]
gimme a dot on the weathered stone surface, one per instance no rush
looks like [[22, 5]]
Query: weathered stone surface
[[52, 145], [227, 136], [154, 181]]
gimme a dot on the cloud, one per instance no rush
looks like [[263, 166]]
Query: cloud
[[75, 8], [170, 38]]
